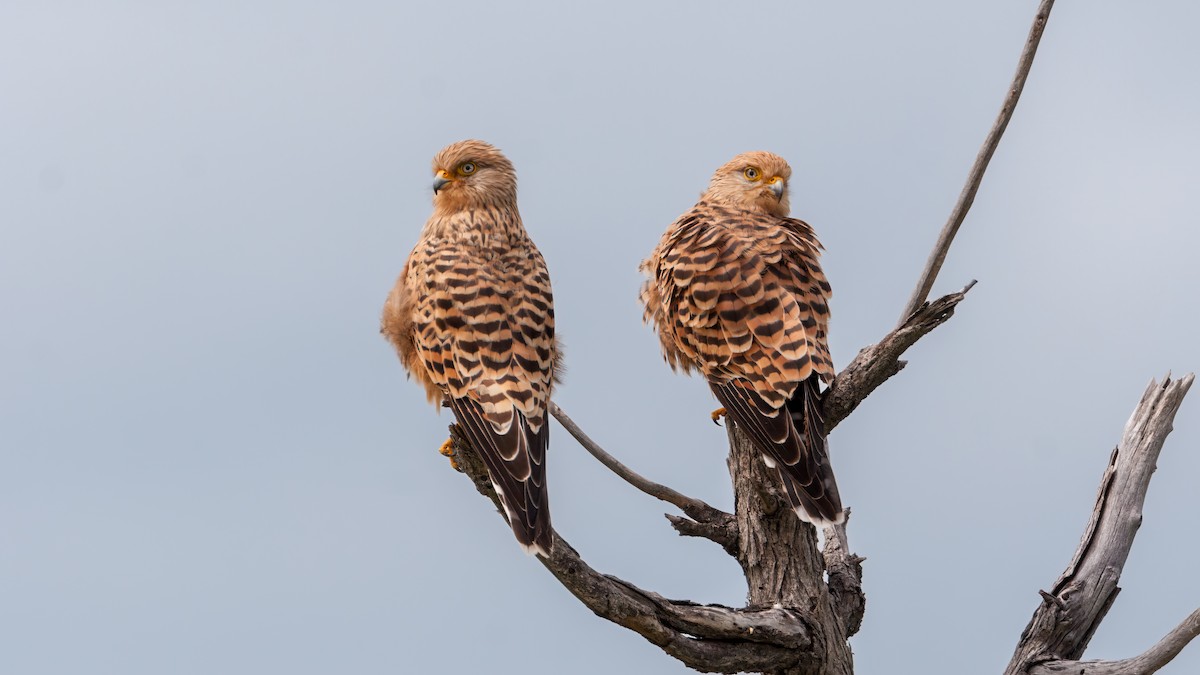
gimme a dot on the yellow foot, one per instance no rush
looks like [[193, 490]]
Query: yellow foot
[[447, 450], [717, 415]]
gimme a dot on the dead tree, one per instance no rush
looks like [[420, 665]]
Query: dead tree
[[805, 602]]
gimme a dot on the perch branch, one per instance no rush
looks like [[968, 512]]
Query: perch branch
[[709, 638], [878, 362], [975, 177], [1148, 662], [694, 508], [1072, 610]]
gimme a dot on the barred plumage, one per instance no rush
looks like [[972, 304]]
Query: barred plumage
[[472, 318], [736, 291]]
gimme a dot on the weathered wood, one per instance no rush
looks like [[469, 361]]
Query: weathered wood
[[1143, 664], [782, 563], [795, 623], [723, 531], [1071, 611], [708, 638], [845, 577]]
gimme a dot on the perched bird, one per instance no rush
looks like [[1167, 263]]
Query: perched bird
[[472, 318], [735, 291]]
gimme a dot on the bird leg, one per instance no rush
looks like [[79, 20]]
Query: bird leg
[[717, 415], [447, 450]]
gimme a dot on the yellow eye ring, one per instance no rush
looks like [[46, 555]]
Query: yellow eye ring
[[752, 173], [466, 168]]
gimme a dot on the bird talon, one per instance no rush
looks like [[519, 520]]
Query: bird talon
[[447, 450], [717, 415]]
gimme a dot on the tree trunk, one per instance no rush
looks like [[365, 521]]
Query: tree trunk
[[782, 562]]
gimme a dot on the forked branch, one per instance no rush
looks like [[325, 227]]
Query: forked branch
[[1072, 610], [708, 638]]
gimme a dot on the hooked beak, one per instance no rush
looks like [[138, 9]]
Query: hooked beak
[[776, 184], [440, 181]]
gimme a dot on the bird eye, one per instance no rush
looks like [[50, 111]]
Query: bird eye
[[467, 168], [752, 173]]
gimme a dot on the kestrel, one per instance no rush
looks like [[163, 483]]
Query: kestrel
[[735, 291], [472, 318]]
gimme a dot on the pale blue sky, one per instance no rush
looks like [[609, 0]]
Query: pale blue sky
[[211, 462]]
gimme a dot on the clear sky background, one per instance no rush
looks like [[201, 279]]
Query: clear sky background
[[211, 462]]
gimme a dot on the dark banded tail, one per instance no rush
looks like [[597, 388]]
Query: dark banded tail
[[793, 442], [516, 463]]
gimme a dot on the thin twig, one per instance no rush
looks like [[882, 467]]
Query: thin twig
[[975, 177], [694, 508]]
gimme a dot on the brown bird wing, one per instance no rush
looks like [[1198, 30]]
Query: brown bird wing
[[483, 329], [741, 297], [516, 463], [793, 442]]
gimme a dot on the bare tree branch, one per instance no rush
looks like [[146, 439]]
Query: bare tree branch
[[694, 508], [878, 362], [1072, 610], [975, 177], [708, 638], [1148, 662], [723, 532]]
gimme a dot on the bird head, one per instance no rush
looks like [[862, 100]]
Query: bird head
[[472, 173], [755, 181]]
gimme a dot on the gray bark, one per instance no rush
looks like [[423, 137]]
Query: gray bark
[[1073, 608], [782, 563], [707, 638], [1148, 662]]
